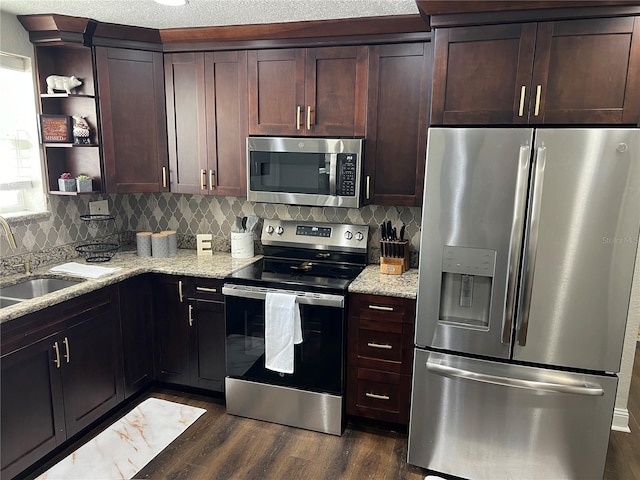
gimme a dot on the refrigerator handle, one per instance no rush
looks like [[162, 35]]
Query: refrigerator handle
[[453, 372], [517, 227], [531, 245]]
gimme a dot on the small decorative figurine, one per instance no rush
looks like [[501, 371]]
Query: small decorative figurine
[[60, 82], [80, 130]]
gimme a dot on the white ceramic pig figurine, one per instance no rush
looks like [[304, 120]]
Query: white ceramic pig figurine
[[60, 82]]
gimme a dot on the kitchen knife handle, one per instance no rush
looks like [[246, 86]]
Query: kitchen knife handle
[[203, 179], [57, 349], [164, 177], [517, 227], [67, 355], [298, 117], [191, 315], [523, 92], [531, 246], [180, 295], [308, 117]]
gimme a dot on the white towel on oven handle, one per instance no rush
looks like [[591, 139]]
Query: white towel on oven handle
[[282, 329]]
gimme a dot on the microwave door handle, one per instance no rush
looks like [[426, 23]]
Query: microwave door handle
[[333, 162]]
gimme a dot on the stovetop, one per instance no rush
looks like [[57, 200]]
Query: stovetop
[[307, 256]]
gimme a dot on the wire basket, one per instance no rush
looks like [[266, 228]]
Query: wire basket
[[97, 252], [95, 220]]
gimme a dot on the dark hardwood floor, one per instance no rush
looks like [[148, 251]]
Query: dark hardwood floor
[[221, 446]]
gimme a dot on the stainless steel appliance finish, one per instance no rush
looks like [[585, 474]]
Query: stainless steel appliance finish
[[486, 420], [305, 171], [529, 240], [315, 262], [284, 405]]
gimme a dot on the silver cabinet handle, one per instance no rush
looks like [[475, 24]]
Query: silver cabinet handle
[[537, 108], [517, 223], [206, 289], [67, 355], [378, 307], [368, 187], [212, 179], [180, 296], [452, 372], [523, 91], [379, 345], [531, 245], [298, 117], [191, 315], [203, 179], [57, 349], [164, 177], [378, 397], [308, 117]]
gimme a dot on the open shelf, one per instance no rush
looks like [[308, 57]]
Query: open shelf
[[71, 194], [65, 95], [70, 145]]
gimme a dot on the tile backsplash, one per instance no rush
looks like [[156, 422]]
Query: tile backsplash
[[53, 237]]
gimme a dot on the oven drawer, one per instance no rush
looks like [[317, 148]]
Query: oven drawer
[[378, 395]]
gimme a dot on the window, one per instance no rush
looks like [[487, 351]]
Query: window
[[21, 184]]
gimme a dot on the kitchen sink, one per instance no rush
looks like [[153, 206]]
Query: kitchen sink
[[33, 288]]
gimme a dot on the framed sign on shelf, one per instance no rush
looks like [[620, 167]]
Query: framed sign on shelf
[[56, 129]]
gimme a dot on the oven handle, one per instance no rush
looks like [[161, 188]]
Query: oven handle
[[303, 298]]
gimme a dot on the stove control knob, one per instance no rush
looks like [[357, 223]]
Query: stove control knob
[[359, 236], [348, 235], [279, 230], [269, 229]]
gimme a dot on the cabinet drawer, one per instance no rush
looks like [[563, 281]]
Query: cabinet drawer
[[378, 395], [380, 345], [206, 289], [389, 309]]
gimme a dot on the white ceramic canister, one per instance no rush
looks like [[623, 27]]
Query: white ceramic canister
[[241, 244]]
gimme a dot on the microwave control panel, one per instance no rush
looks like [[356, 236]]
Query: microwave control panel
[[346, 184]]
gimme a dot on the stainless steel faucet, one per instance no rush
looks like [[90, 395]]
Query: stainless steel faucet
[[8, 233]]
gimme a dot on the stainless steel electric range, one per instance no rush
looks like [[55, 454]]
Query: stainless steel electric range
[[316, 262]]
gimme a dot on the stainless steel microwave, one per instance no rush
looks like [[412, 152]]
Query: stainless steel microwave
[[305, 171]]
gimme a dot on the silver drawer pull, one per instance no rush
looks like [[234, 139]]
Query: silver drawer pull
[[379, 345], [378, 307], [377, 397], [206, 289]]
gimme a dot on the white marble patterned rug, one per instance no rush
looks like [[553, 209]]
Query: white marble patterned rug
[[129, 444]]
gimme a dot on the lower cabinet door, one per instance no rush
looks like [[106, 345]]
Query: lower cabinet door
[[91, 369], [208, 345], [32, 405]]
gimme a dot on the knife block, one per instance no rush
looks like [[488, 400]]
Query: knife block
[[395, 260]]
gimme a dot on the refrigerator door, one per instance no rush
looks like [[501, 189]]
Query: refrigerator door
[[488, 420], [472, 227], [580, 250]]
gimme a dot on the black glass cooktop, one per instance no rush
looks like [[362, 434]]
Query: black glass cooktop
[[297, 274]]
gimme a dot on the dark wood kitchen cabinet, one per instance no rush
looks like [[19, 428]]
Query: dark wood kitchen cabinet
[[137, 333], [190, 328], [558, 72], [133, 120], [308, 91], [397, 121], [380, 357], [207, 119], [61, 371]]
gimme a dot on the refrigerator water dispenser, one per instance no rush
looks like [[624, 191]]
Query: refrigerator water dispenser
[[467, 281]]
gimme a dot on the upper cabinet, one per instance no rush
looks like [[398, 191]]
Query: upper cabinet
[[134, 132], [560, 72], [308, 91], [207, 122], [397, 121]]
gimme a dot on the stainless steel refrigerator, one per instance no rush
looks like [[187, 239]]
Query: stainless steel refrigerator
[[529, 239]]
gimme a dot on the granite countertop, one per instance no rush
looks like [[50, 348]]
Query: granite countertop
[[372, 282], [187, 263]]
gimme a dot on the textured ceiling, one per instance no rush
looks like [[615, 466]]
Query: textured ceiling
[[198, 13]]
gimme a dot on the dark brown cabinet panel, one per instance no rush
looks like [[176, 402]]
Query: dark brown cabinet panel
[[313, 91], [190, 332], [380, 357], [137, 333], [32, 406], [172, 330], [397, 121], [132, 111], [207, 122], [562, 72]]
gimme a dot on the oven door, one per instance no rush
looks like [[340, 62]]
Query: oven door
[[318, 360]]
